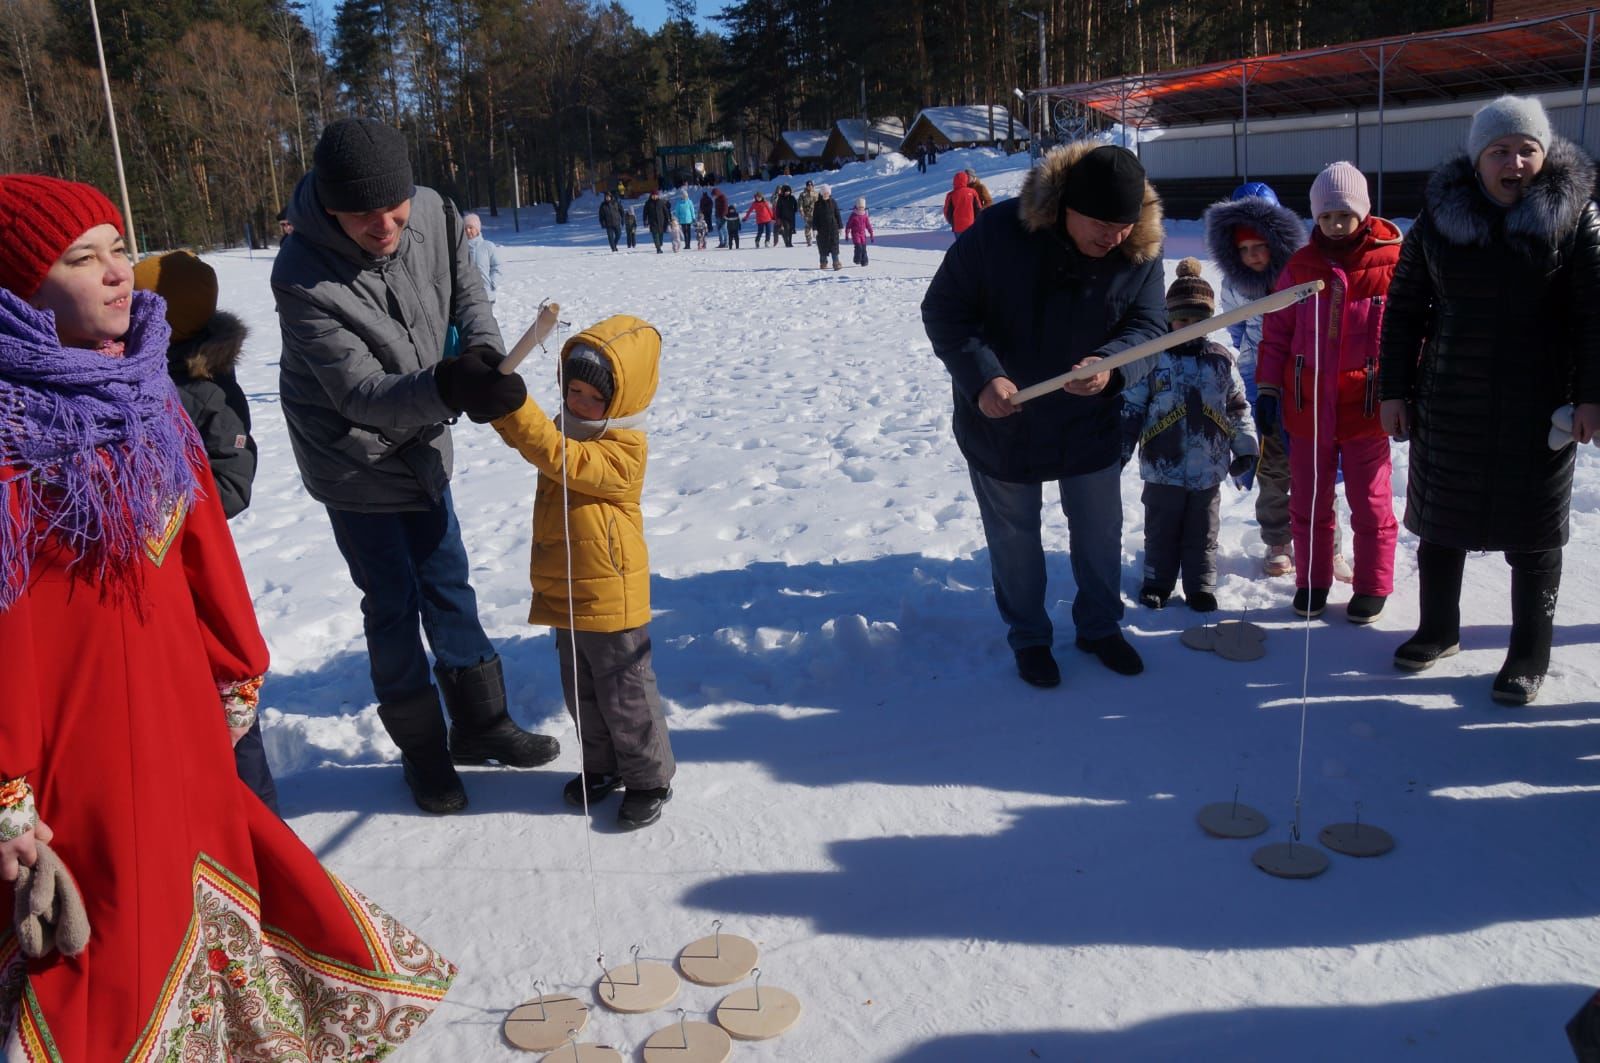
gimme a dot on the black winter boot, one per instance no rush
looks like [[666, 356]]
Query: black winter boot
[[417, 727], [1533, 622], [480, 728], [1438, 634]]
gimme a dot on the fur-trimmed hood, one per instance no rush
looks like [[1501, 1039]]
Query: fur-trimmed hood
[[1282, 229], [1546, 214], [214, 351], [1041, 209]]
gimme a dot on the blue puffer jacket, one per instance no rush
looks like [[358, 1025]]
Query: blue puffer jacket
[[1015, 298], [1189, 417]]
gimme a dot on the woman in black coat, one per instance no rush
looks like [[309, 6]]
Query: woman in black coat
[[1493, 323], [826, 224]]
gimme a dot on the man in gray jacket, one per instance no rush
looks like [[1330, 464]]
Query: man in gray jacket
[[374, 286]]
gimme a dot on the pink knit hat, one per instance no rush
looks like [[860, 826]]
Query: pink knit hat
[[1340, 187]]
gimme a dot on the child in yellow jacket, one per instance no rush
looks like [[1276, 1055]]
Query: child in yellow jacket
[[590, 569]]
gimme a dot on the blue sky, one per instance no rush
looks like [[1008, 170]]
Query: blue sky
[[650, 14]]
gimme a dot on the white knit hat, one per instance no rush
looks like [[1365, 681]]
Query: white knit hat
[[1507, 115], [1340, 187]]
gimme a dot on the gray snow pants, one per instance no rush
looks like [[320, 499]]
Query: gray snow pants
[[1272, 497], [617, 706], [1180, 528]]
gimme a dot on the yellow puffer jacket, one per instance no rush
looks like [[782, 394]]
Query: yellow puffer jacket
[[610, 585]]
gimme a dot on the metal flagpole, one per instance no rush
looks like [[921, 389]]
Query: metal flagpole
[[116, 143]]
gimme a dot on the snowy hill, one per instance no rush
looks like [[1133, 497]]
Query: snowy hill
[[942, 863]]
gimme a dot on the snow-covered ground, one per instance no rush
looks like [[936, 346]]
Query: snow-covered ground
[[942, 863]]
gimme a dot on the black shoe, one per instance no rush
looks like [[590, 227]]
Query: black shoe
[[1310, 601], [1422, 651], [1364, 608], [1037, 667], [1533, 618], [600, 788], [1201, 601], [640, 808], [480, 728], [1151, 598], [417, 727], [436, 789], [1114, 652]]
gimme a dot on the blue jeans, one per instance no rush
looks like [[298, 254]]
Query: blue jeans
[[1011, 524], [411, 567]]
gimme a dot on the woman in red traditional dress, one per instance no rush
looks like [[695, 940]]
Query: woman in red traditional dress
[[131, 655]]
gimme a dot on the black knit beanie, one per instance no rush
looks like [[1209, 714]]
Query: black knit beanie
[[593, 368], [361, 165], [1107, 184]]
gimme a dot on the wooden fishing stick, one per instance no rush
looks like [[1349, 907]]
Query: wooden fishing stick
[[1275, 301], [548, 317]]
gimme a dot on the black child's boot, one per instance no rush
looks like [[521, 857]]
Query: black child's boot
[[417, 727], [481, 729], [1438, 634], [1533, 622]]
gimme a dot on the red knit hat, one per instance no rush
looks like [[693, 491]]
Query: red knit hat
[[40, 217], [1244, 234]]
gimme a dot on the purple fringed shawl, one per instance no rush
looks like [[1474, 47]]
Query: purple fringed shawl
[[94, 449]]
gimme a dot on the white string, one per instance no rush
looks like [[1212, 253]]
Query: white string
[[1311, 541], [572, 638]]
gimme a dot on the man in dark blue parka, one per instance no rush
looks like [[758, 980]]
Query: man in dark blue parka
[[1067, 273]]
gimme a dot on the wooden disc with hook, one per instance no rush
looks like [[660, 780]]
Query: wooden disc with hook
[[759, 1013], [1239, 640], [1230, 819], [1356, 839], [688, 1042], [584, 1053], [721, 959], [544, 1023], [636, 987], [1290, 860]]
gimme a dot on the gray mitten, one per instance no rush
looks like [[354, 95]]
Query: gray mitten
[[49, 911]]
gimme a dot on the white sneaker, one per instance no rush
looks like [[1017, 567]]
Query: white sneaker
[[1278, 561], [1342, 570]]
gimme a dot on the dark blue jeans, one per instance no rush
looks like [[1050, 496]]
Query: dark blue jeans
[[1011, 524], [412, 567], [250, 758]]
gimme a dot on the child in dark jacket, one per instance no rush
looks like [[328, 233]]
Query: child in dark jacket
[[734, 224], [201, 359], [1191, 422], [1317, 376]]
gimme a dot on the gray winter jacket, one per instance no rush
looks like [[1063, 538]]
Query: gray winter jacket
[[361, 338], [486, 257]]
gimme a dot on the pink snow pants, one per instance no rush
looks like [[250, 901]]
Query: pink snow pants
[[1367, 489]]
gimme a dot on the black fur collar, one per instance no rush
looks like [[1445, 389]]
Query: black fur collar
[[1545, 216]]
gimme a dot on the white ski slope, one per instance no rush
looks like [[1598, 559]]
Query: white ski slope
[[942, 863]]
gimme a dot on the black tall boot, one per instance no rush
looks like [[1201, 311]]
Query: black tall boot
[[481, 729], [1533, 621], [1438, 634], [417, 727]]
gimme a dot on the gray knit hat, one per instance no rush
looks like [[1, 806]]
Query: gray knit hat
[[1507, 115], [360, 165], [593, 368]]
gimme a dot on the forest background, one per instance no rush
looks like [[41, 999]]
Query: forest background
[[219, 103]]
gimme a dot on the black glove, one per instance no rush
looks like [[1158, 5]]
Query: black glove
[[474, 387], [491, 357], [1266, 414], [1243, 471]]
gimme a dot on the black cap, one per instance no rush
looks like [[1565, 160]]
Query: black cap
[[593, 368], [1107, 184], [360, 165]]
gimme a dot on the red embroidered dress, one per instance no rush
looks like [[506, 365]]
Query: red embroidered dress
[[216, 936]]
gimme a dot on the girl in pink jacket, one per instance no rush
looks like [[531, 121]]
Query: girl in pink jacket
[[1317, 377], [859, 229]]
